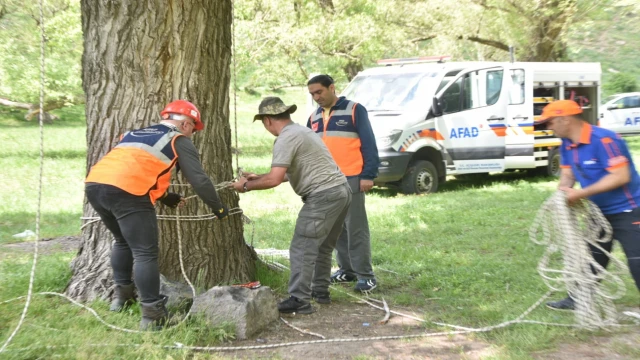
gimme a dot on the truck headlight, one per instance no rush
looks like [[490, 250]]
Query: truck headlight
[[387, 141]]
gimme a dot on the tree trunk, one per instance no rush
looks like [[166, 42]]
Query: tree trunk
[[352, 68], [327, 6], [138, 56]]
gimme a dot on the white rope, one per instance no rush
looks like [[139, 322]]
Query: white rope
[[324, 341], [463, 330], [184, 272], [302, 331], [40, 174], [562, 220], [235, 76], [220, 186], [568, 232], [177, 218], [368, 299], [273, 252], [211, 216]]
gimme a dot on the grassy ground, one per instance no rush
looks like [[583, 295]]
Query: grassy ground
[[461, 256]]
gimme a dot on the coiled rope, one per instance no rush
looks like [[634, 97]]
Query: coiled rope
[[567, 232]]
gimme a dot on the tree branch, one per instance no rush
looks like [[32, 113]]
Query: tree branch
[[34, 109], [336, 53], [484, 4], [493, 43], [517, 6], [423, 38]]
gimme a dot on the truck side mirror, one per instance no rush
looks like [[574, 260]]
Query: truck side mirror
[[436, 108]]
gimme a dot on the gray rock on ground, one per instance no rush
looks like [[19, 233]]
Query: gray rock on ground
[[179, 293], [250, 310]]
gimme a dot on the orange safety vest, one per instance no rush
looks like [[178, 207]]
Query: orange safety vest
[[340, 135], [141, 163]]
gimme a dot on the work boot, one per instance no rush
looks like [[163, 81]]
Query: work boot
[[154, 314], [321, 297], [295, 305], [565, 304], [122, 297]]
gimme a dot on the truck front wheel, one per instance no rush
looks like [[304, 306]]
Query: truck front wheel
[[553, 165], [421, 178]]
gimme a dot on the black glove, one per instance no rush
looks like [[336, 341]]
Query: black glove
[[222, 212], [171, 199]]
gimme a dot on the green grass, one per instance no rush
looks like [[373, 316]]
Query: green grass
[[461, 256], [64, 167]]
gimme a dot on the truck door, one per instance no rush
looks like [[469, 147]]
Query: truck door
[[519, 139], [473, 119]]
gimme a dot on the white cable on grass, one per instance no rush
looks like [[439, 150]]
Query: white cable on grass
[[38, 211]]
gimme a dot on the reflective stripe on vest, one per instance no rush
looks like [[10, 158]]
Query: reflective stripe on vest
[[341, 137], [141, 163]]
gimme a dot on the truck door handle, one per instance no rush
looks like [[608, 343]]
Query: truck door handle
[[495, 119], [520, 117]]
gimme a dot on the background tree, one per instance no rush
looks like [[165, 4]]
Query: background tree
[[281, 42], [20, 54], [610, 35], [621, 83], [138, 56]]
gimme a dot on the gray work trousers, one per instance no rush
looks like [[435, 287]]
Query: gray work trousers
[[353, 249], [317, 229]]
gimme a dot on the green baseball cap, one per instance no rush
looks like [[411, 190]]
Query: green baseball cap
[[273, 105]]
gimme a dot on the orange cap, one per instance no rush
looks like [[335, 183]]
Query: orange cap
[[560, 108]]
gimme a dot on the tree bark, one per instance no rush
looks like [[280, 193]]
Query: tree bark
[[352, 68], [327, 6], [138, 56]]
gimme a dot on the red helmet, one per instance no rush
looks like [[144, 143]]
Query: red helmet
[[185, 108]]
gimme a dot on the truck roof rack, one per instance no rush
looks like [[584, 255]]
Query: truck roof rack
[[414, 60]]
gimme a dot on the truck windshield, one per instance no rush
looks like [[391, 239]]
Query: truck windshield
[[609, 98], [392, 92]]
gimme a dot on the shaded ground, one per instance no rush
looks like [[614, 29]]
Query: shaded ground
[[347, 319], [45, 246], [618, 346]]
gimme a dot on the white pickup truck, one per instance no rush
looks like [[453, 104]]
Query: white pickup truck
[[621, 113]]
